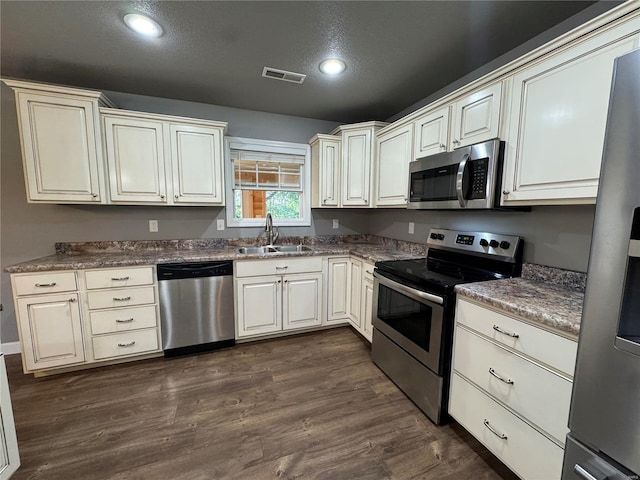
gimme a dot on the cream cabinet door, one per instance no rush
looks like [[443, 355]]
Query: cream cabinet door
[[476, 117], [338, 286], [432, 133], [258, 305], [60, 148], [135, 156], [355, 294], [197, 164], [326, 169], [356, 167], [557, 122], [51, 331], [367, 301], [9, 457], [301, 300], [394, 152]]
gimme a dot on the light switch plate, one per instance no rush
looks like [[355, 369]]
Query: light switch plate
[[220, 224], [411, 227], [336, 223], [153, 225]]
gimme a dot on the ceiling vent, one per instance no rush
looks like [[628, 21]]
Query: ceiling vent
[[283, 75]]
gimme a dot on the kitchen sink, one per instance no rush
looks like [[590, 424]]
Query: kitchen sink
[[273, 249]]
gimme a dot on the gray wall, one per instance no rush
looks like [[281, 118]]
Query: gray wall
[[29, 231], [556, 236]]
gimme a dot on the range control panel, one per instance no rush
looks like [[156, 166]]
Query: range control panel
[[482, 243]]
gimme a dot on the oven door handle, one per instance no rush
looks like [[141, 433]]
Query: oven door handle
[[459, 179], [408, 290]]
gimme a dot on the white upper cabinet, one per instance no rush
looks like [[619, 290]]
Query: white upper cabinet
[[197, 164], [325, 170], [60, 138], [557, 120], [135, 157], [357, 157], [432, 133], [163, 160], [476, 117], [394, 150]]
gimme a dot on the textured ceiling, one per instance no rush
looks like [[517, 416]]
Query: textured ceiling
[[397, 53]]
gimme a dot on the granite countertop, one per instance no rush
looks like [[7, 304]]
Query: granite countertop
[[549, 297], [79, 256]]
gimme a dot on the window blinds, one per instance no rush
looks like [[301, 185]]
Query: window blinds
[[254, 170]]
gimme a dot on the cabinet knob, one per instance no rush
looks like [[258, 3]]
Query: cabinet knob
[[73, 300], [94, 195], [506, 192], [443, 146], [456, 142], [176, 196]]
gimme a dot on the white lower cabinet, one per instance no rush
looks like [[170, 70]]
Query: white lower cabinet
[[69, 319], [355, 296], [9, 457], [338, 290], [510, 388], [361, 296], [367, 301], [277, 294]]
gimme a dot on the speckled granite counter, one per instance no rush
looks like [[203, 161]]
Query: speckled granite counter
[[548, 296], [77, 256]]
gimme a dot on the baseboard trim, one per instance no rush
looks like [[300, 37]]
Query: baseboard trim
[[11, 348]]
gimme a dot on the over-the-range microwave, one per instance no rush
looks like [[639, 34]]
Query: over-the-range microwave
[[467, 177]]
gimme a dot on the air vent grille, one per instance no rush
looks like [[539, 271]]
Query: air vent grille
[[283, 75]]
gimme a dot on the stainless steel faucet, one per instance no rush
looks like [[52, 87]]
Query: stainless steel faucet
[[271, 235]]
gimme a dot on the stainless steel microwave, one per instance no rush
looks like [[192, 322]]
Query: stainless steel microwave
[[465, 178]]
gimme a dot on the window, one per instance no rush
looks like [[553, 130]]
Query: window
[[267, 177]]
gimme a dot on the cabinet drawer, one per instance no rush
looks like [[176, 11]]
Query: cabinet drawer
[[42, 283], [525, 451], [278, 266], [123, 319], [556, 351], [121, 277], [123, 344], [537, 394], [121, 297]]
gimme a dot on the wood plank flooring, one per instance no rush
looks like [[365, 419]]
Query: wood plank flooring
[[311, 406]]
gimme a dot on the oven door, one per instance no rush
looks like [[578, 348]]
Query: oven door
[[411, 318]]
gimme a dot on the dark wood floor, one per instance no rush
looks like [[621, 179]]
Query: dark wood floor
[[310, 406]]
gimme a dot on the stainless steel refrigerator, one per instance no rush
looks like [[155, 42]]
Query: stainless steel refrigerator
[[604, 442]]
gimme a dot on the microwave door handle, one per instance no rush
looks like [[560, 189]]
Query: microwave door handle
[[459, 178]]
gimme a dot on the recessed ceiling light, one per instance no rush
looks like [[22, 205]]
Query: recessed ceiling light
[[332, 66], [143, 25]]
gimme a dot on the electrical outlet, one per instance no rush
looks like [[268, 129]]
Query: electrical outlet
[[336, 223], [153, 225], [411, 227], [220, 224]]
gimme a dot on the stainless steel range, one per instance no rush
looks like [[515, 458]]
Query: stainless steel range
[[414, 309]]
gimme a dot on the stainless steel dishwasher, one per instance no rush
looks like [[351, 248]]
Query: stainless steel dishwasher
[[196, 306]]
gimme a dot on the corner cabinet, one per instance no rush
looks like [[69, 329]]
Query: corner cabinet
[[9, 456], [394, 152], [511, 387], [78, 319], [558, 117], [163, 160], [61, 142]]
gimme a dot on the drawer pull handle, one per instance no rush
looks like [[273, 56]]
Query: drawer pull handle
[[581, 472], [504, 332], [130, 344], [125, 320], [508, 381], [119, 279], [121, 299], [282, 268], [52, 284], [501, 436]]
